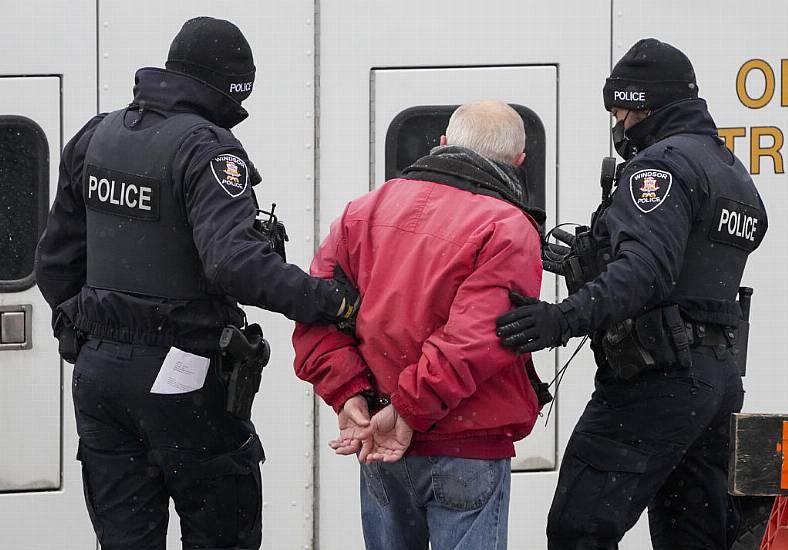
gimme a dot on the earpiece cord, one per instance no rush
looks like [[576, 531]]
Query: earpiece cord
[[560, 376]]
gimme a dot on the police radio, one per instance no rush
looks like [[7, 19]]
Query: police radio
[[582, 259], [607, 178], [273, 229]]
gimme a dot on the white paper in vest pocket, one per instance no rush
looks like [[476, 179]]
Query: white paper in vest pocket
[[181, 372]]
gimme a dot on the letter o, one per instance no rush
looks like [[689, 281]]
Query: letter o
[[103, 189], [741, 83], [733, 223]]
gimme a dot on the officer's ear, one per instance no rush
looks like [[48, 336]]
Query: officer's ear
[[640, 115], [519, 159], [444, 141]]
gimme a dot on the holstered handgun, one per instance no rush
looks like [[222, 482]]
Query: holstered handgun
[[274, 230], [247, 353], [69, 338]]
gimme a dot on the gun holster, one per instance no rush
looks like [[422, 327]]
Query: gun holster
[[70, 339], [245, 353]]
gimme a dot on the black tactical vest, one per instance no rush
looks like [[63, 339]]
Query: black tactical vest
[[731, 226], [138, 237]]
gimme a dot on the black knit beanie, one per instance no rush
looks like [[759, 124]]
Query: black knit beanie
[[216, 52], [651, 74]]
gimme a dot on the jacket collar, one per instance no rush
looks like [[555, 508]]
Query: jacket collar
[[168, 91], [462, 175], [687, 116]]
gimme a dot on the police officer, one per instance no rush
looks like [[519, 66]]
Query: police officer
[[149, 245], [675, 237]]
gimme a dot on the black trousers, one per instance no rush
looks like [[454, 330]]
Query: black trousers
[[140, 449], [658, 441]]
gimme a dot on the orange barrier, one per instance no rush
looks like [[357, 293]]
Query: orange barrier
[[784, 449], [776, 536]]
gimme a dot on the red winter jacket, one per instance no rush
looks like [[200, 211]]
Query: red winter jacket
[[434, 265]]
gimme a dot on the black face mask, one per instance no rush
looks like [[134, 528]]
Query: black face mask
[[621, 143]]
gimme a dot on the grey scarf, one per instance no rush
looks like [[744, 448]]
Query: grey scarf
[[502, 173]]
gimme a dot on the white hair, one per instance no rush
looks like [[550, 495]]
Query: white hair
[[489, 127]]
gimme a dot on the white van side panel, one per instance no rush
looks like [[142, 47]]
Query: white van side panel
[[59, 39]]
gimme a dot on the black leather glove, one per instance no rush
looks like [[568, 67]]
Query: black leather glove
[[553, 256], [532, 325], [351, 300]]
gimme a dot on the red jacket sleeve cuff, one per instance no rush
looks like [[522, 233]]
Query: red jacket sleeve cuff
[[417, 423], [354, 387]]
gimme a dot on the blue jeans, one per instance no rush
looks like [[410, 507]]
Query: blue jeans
[[446, 502]]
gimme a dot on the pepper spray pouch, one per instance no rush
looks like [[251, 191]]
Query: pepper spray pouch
[[626, 358]]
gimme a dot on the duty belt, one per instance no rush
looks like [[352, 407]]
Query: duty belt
[[704, 334], [660, 338]]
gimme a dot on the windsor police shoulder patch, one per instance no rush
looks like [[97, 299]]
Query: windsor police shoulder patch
[[649, 188], [231, 173]]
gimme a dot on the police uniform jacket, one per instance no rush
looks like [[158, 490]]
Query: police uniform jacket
[[150, 238], [683, 219]]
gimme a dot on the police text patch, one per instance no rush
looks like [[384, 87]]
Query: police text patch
[[649, 188], [737, 224], [231, 173], [121, 194]]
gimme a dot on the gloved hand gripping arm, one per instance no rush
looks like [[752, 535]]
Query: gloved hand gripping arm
[[237, 258], [648, 250]]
